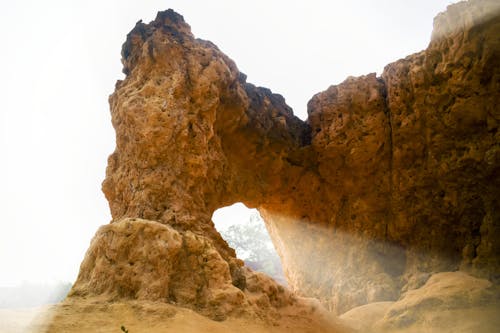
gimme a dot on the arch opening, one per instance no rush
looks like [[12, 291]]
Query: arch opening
[[245, 231]]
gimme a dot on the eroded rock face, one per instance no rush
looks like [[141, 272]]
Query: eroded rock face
[[411, 162], [390, 179], [146, 260], [447, 302], [413, 157]]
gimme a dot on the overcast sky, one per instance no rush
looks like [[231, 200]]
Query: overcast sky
[[60, 60]]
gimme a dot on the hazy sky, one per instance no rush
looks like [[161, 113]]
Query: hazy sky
[[60, 60]]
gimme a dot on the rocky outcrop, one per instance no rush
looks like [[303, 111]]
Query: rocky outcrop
[[390, 180], [447, 302], [411, 160], [146, 260]]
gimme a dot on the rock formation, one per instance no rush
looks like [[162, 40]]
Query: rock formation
[[390, 180], [448, 302], [411, 160]]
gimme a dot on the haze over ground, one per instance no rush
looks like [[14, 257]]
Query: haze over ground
[[61, 60]]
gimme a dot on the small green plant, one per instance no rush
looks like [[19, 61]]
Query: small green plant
[[124, 329]]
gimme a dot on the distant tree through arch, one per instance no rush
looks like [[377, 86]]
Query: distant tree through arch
[[248, 236]]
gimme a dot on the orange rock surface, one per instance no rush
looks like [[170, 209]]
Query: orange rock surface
[[390, 179]]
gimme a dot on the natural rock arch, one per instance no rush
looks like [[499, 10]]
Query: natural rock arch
[[390, 178]]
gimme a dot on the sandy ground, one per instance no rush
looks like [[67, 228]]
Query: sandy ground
[[19, 320], [449, 302], [92, 316]]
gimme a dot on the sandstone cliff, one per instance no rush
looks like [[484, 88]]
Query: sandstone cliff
[[390, 180], [411, 160]]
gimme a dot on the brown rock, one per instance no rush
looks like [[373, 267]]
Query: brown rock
[[447, 302], [451, 299], [136, 259], [389, 180]]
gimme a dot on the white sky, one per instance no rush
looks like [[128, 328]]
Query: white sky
[[60, 60]]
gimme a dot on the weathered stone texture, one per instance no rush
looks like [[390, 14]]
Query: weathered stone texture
[[390, 179]]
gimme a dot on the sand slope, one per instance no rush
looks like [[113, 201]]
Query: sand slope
[[92, 315]]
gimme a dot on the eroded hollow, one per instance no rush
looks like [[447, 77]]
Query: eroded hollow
[[245, 231]]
